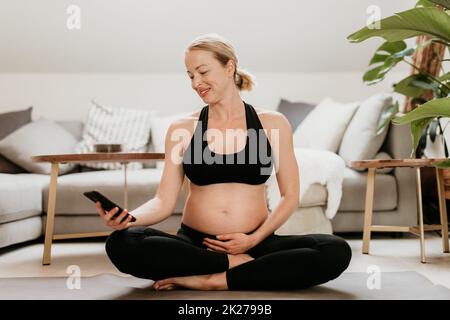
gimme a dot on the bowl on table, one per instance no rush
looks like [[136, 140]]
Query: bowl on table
[[108, 147]]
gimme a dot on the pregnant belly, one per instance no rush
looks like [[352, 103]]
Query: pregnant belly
[[224, 214]]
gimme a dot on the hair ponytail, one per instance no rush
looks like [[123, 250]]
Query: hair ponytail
[[244, 80]]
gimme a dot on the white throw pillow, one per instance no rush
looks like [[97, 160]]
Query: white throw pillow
[[325, 125], [129, 127], [159, 127], [360, 141], [41, 137]]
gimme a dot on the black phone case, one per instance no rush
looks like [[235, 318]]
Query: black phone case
[[106, 203]]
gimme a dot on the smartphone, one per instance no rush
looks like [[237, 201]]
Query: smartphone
[[106, 203]]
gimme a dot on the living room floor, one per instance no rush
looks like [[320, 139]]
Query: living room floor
[[387, 253]]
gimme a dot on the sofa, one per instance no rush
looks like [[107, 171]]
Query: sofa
[[23, 197]]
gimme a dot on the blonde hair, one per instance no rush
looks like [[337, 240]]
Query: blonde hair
[[223, 51]]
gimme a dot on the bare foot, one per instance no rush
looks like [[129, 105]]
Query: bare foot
[[216, 281], [238, 259]]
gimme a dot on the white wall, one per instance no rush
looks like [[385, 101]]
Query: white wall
[[130, 52], [63, 96], [147, 36]]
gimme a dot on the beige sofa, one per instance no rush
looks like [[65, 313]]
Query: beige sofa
[[23, 198], [394, 196]]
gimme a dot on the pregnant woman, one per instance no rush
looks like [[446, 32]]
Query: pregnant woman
[[226, 239]]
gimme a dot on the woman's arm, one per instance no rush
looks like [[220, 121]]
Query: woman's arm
[[161, 206], [287, 174]]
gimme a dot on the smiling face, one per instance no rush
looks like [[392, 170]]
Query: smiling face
[[209, 78]]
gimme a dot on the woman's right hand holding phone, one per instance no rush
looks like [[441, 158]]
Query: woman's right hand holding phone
[[110, 221]]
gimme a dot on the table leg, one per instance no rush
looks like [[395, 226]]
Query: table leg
[[125, 187], [368, 209], [420, 211], [442, 209], [46, 259]]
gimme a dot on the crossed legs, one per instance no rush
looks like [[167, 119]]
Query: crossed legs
[[279, 262]]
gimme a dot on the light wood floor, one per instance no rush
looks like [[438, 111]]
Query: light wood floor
[[388, 254]]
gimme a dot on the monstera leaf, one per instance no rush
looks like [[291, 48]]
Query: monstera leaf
[[407, 24], [420, 117], [385, 58], [442, 3]]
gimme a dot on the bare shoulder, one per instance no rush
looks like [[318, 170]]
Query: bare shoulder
[[271, 119], [187, 122]]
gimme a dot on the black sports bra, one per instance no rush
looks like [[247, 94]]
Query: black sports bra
[[252, 165]]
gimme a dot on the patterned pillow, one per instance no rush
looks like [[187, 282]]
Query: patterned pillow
[[105, 124], [160, 125]]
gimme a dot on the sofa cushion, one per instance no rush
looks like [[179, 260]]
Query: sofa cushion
[[126, 126], [21, 195], [9, 122], [360, 141], [7, 166], [40, 137], [295, 112], [20, 230], [354, 191], [75, 127], [142, 186], [325, 125], [160, 125], [316, 195]]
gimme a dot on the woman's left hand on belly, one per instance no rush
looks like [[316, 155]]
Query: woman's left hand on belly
[[231, 243]]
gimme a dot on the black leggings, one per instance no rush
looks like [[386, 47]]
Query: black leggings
[[281, 261]]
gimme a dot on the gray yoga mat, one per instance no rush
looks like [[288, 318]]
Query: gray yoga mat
[[351, 285]]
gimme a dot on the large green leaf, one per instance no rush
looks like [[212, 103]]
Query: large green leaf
[[445, 77], [443, 164], [417, 129], [377, 74], [425, 3], [386, 116], [407, 24], [433, 108], [442, 3], [420, 117], [386, 50], [408, 88], [385, 58]]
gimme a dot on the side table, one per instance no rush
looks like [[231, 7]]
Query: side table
[[57, 159], [372, 165]]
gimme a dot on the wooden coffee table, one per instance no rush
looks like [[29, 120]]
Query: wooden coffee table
[[56, 160], [372, 165]]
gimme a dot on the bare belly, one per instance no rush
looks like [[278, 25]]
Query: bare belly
[[225, 208]]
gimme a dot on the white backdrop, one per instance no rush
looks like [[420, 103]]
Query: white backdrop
[[130, 53], [67, 96]]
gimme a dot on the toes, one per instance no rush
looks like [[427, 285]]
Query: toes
[[168, 287], [165, 287], [162, 284]]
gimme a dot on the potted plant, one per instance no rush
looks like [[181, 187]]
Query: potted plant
[[431, 94]]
